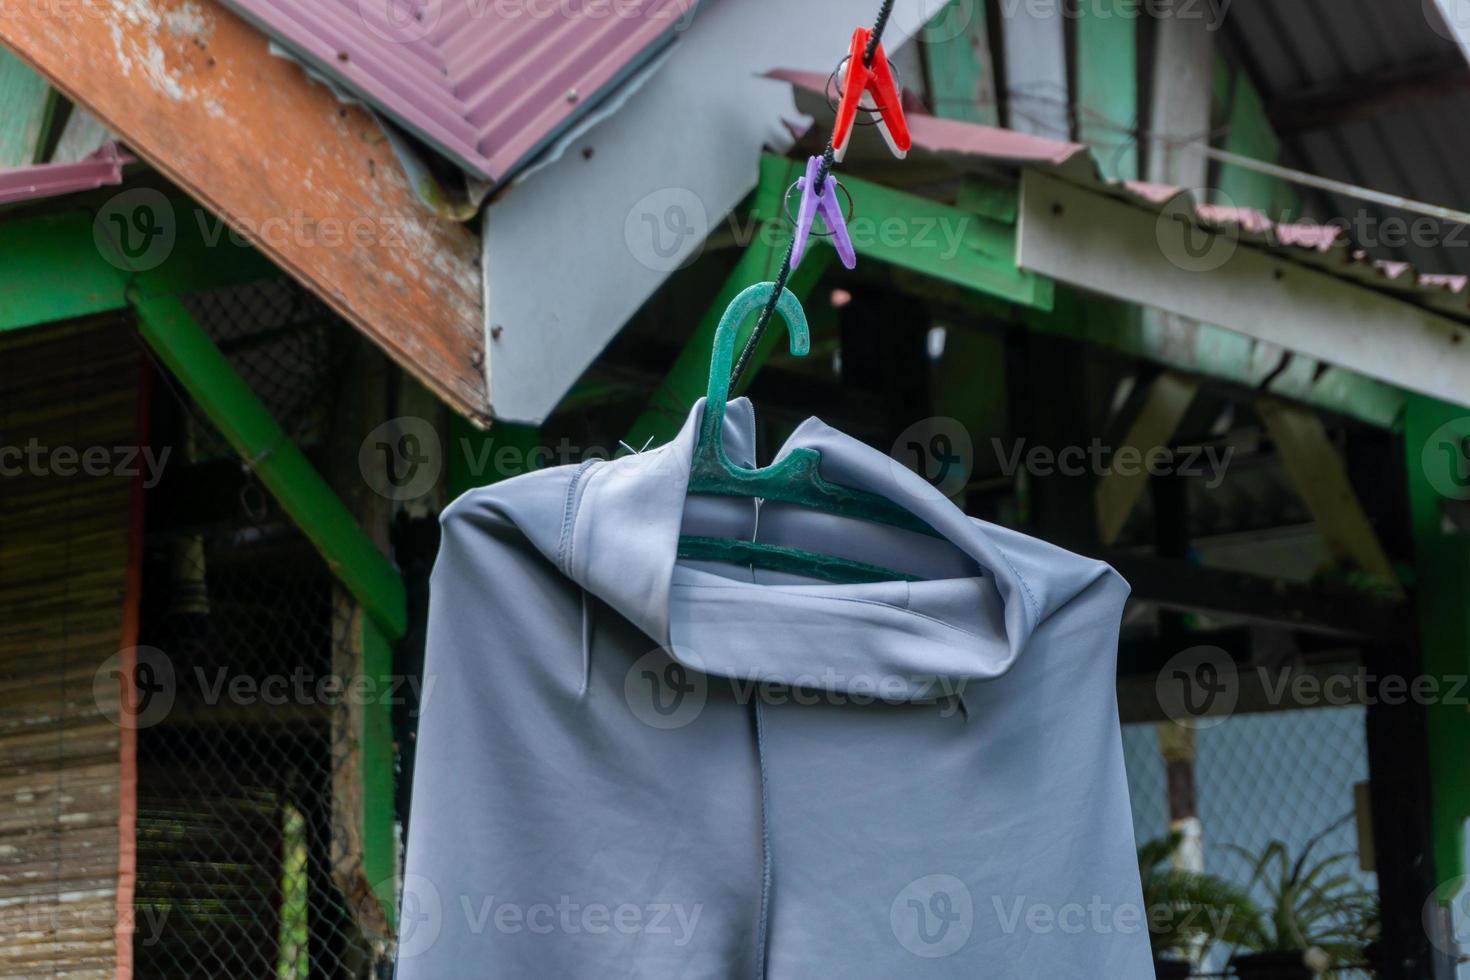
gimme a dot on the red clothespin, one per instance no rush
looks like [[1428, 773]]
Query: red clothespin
[[870, 88]]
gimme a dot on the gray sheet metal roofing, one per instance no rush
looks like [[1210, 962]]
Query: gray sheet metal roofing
[[1413, 144], [969, 147], [486, 82]]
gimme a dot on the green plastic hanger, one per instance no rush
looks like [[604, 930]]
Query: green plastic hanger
[[794, 479]]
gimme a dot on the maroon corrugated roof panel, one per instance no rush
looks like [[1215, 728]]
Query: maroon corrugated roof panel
[[486, 82], [50, 179]]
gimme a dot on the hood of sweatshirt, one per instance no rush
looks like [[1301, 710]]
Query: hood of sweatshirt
[[613, 526]]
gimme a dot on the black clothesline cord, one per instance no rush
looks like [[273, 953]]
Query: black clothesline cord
[[823, 170]]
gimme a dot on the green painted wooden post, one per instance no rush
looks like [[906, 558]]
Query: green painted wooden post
[[1436, 473], [1107, 84], [957, 64], [1250, 134], [969, 379], [27, 106], [204, 371], [378, 765]]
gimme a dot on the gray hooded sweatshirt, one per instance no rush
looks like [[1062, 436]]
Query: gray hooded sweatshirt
[[636, 767]]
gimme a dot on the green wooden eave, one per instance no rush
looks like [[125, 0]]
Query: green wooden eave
[[64, 264]]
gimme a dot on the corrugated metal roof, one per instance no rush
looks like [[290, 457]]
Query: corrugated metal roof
[[104, 166], [1402, 138], [486, 82], [972, 147]]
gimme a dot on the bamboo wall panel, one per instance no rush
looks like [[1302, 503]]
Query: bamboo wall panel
[[64, 555]]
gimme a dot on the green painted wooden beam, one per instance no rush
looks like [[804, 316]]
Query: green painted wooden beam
[[941, 241], [378, 764], [1433, 442], [204, 371], [1107, 84], [65, 264], [1114, 325], [51, 270], [957, 64], [27, 107]]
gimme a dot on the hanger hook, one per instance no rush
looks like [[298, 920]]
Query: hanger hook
[[753, 298]]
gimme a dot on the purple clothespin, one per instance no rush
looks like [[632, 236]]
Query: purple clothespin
[[826, 203]]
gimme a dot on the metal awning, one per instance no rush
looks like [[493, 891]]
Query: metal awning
[[1303, 287]]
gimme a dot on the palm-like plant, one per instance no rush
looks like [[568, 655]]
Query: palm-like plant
[[1315, 908], [1189, 910]]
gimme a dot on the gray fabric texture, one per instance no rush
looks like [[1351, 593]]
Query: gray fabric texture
[[631, 766]]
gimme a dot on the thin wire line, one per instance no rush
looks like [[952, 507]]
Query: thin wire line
[[1202, 143], [819, 184]]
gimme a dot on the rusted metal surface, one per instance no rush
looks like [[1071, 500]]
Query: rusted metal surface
[[313, 184], [486, 83], [52, 179]]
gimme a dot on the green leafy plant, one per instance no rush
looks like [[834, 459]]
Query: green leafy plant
[[1189, 910], [1310, 906]]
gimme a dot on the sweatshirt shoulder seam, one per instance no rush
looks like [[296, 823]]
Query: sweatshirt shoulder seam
[[565, 542]]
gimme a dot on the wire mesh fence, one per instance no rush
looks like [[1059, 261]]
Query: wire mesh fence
[[245, 850], [1284, 775], [1282, 781]]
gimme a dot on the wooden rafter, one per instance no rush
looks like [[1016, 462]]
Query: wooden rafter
[[311, 182]]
